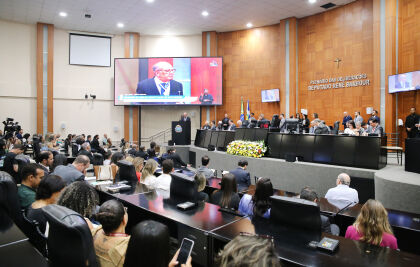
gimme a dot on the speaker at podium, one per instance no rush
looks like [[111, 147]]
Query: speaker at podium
[[181, 132]]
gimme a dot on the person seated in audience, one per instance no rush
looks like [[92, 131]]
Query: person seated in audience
[[75, 171], [374, 128], [48, 191], [149, 246], [206, 126], [104, 139], [117, 156], [163, 181], [108, 143], [133, 150], [59, 159], [232, 126], [107, 158], [32, 175], [320, 127], [171, 154], [342, 194], [239, 124], [45, 161], [85, 150], [95, 146], [142, 153], [25, 139], [243, 178], [138, 166], [109, 239], [67, 143], [147, 174], [152, 150], [10, 164], [89, 139], [248, 250], [205, 160], [372, 226], [259, 204], [81, 198], [200, 180], [351, 128], [309, 194], [129, 158], [226, 196]]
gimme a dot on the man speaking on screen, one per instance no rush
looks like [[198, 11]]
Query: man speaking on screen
[[163, 83]]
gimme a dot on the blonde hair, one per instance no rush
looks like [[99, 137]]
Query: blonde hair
[[200, 179], [148, 169], [372, 222], [129, 158], [248, 251], [138, 162]]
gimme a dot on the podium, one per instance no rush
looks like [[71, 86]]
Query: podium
[[181, 132], [412, 155]]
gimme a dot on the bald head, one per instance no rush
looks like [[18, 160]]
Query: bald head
[[163, 71], [343, 178]]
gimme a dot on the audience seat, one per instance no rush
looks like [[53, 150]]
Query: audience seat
[[98, 159], [70, 241], [10, 205]]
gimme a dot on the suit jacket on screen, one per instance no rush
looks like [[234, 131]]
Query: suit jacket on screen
[[148, 87]]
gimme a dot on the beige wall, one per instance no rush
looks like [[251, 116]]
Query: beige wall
[[71, 82], [155, 119], [18, 74]]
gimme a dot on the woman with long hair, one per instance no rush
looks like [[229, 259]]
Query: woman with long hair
[[148, 173], [259, 204], [227, 196], [138, 163], [372, 226]]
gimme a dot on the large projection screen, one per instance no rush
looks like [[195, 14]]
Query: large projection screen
[[90, 50]]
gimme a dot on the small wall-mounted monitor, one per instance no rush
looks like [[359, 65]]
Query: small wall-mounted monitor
[[404, 82], [271, 95]]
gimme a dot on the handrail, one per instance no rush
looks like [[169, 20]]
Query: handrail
[[157, 136]]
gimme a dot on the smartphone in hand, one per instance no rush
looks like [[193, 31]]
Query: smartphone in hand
[[185, 251]]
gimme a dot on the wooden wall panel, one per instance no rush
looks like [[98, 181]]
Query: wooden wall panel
[[251, 62], [345, 33], [39, 78], [408, 53]]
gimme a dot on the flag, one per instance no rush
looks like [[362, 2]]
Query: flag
[[248, 113], [242, 110]]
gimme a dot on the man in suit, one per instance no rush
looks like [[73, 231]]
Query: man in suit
[[163, 83], [282, 125], [346, 118], [45, 161], [184, 117], [232, 126], [171, 154], [410, 123], [86, 151], [206, 98], [357, 117], [402, 82], [225, 122], [320, 127], [242, 176], [309, 194], [375, 128], [374, 116]]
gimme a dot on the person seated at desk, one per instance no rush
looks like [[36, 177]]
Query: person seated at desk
[[248, 250], [242, 176], [147, 174], [59, 160], [85, 150], [48, 191], [109, 239], [239, 124], [133, 150], [227, 196], [320, 127], [171, 154], [350, 128], [200, 181], [149, 246], [259, 204], [138, 166], [372, 226], [308, 193], [32, 175], [359, 129], [163, 181], [117, 156], [205, 160], [152, 150], [220, 126], [232, 126], [75, 171], [213, 125], [95, 145], [45, 160], [374, 128], [342, 194], [142, 153], [206, 126], [107, 158], [81, 198], [253, 123]]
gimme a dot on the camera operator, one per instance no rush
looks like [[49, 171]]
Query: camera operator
[[19, 134], [10, 164]]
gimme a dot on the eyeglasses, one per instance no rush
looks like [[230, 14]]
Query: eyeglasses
[[268, 237], [169, 70]]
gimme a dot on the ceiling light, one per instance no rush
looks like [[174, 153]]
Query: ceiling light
[[205, 13], [120, 25], [249, 24], [62, 14], [150, 1], [311, 1]]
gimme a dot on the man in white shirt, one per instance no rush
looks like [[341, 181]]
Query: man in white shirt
[[163, 181], [342, 195]]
